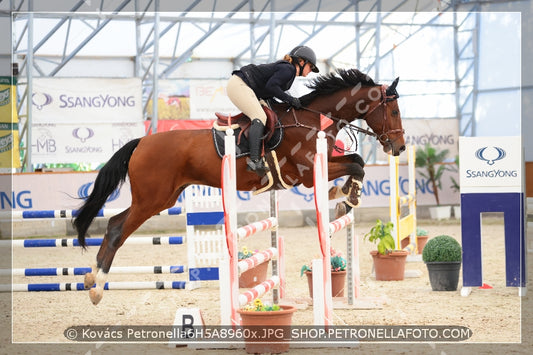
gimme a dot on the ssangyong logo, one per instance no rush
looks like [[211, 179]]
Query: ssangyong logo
[[41, 99], [491, 156], [82, 133], [83, 192]]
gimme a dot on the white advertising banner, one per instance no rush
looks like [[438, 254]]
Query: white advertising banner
[[208, 97], [84, 119], [83, 100], [58, 191], [81, 143], [491, 164], [439, 133]]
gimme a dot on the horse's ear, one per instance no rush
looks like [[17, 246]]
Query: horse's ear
[[394, 83], [391, 90]]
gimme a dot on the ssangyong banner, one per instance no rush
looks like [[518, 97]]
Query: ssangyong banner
[[491, 164], [83, 142], [84, 119], [59, 191], [440, 133], [56, 191], [86, 100]]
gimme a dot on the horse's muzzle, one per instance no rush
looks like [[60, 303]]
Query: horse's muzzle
[[399, 150], [393, 150]]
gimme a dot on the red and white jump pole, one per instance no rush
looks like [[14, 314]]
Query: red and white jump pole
[[230, 299], [323, 302]]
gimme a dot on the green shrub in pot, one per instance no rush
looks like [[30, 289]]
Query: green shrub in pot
[[443, 256], [442, 248]]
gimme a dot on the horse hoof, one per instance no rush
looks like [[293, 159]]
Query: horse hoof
[[95, 294], [88, 281], [333, 193], [340, 210]]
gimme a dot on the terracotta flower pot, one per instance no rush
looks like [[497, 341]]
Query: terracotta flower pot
[[253, 277], [389, 267], [421, 240], [338, 279], [268, 332]]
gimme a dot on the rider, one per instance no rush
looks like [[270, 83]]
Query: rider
[[252, 83]]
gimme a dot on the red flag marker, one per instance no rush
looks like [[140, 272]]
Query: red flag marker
[[325, 122]]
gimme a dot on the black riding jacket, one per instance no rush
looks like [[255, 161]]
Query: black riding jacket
[[269, 80]]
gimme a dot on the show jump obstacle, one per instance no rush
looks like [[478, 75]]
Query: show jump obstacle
[[230, 299], [69, 271], [204, 248], [105, 212], [203, 206], [322, 297], [404, 227], [492, 180]]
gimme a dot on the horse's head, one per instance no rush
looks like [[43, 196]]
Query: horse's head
[[385, 120], [340, 92]]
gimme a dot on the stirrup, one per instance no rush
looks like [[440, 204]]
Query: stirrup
[[257, 166]]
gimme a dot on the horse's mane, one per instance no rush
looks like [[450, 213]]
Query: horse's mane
[[332, 82]]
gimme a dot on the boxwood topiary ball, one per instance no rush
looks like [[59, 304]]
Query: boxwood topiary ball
[[442, 248]]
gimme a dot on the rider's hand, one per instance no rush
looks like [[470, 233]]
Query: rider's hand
[[295, 102]]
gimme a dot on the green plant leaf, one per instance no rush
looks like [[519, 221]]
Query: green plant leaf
[[442, 248], [381, 233], [421, 232], [428, 158], [381, 249], [388, 241], [304, 269]]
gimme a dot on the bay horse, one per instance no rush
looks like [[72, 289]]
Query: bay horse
[[162, 165]]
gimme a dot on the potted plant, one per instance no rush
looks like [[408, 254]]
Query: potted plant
[[421, 240], [253, 277], [389, 263], [442, 256], [422, 237], [268, 327], [428, 158], [455, 186], [338, 274]]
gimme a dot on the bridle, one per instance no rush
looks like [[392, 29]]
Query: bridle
[[384, 137]]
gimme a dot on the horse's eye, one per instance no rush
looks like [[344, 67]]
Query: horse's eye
[[394, 112]]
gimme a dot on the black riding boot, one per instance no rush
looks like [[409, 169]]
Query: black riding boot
[[256, 163]]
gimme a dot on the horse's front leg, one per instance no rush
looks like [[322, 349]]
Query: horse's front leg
[[351, 165]]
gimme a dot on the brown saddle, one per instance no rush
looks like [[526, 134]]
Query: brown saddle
[[224, 121]]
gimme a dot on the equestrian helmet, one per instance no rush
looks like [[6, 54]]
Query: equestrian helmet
[[306, 54]]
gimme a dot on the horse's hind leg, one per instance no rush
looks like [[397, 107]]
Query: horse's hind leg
[[106, 252], [118, 230]]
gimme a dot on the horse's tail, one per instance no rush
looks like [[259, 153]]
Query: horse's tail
[[110, 177]]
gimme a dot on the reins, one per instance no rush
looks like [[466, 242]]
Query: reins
[[351, 126], [383, 137]]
